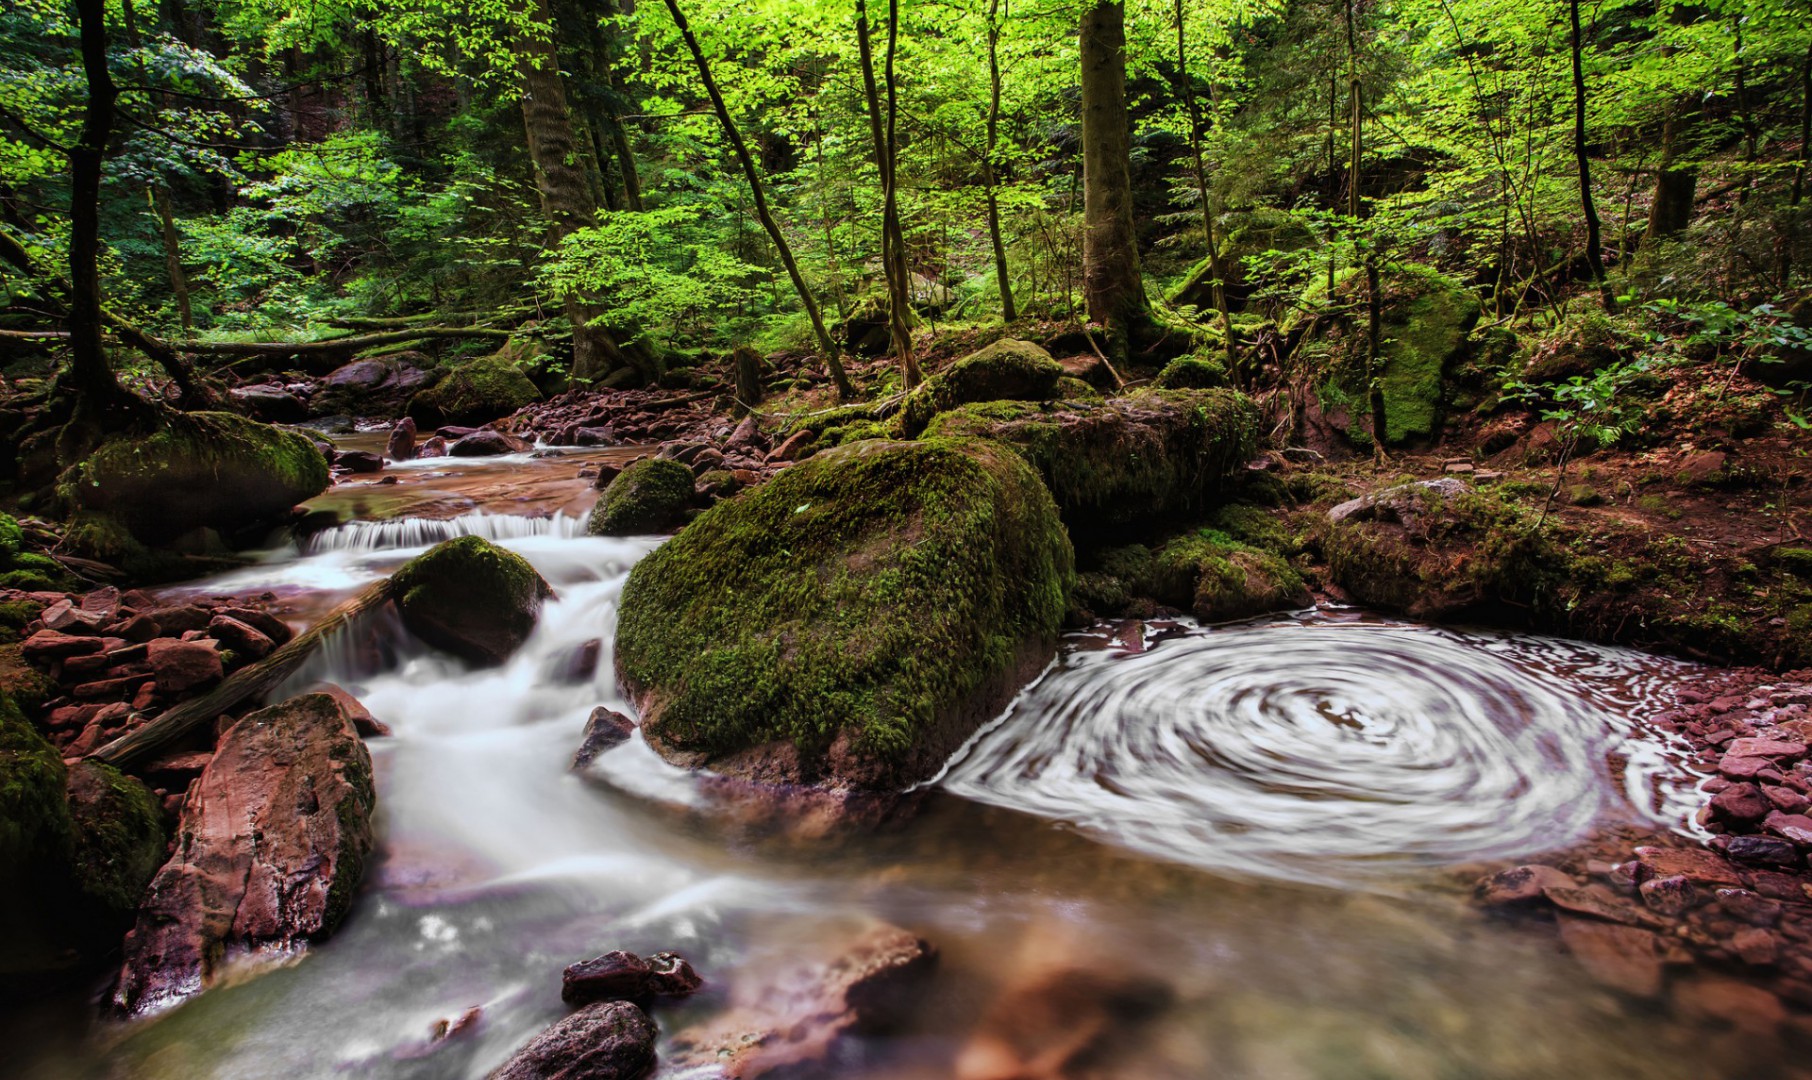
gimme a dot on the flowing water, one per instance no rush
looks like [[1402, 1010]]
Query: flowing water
[[1270, 819]]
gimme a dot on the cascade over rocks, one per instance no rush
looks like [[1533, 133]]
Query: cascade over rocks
[[272, 844], [470, 597], [197, 470], [852, 621], [1127, 459]]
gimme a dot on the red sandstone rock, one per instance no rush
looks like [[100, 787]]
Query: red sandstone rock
[[1699, 867], [273, 840], [183, 665], [1624, 958], [1521, 885], [624, 976], [793, 448], [611, 1040], [243, 639]]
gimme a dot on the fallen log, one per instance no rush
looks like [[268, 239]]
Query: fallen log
[[137, 747], [349, 343]]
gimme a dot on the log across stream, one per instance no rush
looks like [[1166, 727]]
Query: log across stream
[[1273, 822]]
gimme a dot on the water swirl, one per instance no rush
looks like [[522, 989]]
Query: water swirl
[[1329, 749]]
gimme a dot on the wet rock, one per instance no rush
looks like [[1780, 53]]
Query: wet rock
[[1669, 895], [791, 1020], [470, 597], [1402, 504], [181, 666], [1521, 885], [1749, 907], [1599, 902], [649, 496], [119, 839], [486, 443], [371, 387], [263, 621], [1696, 865], [1796, 828], [1624, 958], [1766, 748], [272, 404], [434, 447], [1766, 850], [358, 461], [1740, 803], [624, 976], [401, 444], [368, 726], [247, 642], [1058, 1024], [180, 619], [793, 448], [273, 841], [611, 1040], [46, 646], [604, 729], [1748, 1008]]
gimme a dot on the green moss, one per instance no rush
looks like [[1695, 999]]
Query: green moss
[[1796, 561], [15, 616], [1151, 453], [1217, 578], [470, 597], [1008, 370], [35, 837], [1192, 373], [12, 539], [649, 496], [884, 594], [119, 836], [1071, 388], [196, 470], [718, 483], [475, 392], [26, 685]]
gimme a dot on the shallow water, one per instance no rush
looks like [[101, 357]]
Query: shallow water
[[1267, 818]]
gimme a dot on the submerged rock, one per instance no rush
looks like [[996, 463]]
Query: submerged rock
[[1008, 370], [611, 1040], [272, 845], [852, 621], [197, 470], [1127, 459], [649, 496], [470, 597], [624, 976]]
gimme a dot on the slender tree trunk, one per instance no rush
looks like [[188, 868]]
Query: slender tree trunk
[[830, 235], [844, 389], [901, 308], [893, 261], [1008, 310], [179, 281], [97, 390], [1112, 286], [1675, 187], [565, 196], [1374, 307], [1215, 267], [1805, 164], [1594, 251], [1333, 175]]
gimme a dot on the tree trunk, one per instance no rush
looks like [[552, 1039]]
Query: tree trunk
[[565, 196], [1008, 310], [1215, 267], [1112, 286], [1675, 187], [1805, 164], [756, 191], [1374, 382], [748, 379], [1594, 252], [893, 261], [179, 281], [97, 389]]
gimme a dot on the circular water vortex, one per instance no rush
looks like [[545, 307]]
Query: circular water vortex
[[1331, 749]]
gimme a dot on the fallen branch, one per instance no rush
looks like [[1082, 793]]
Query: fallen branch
[[31, 337], [330, 346], [135, 748]]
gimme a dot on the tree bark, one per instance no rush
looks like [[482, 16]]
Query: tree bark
[[1112, 286], [1008, 310], [1675, 187], [1215, 267], [1805, 164], [565, 196], [893, 261], [1374, 307], [785, 251], [1594, 252], [179, 281], [97, 389]]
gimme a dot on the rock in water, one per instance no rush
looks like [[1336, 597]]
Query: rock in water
[[272, 844], [197, 470], [789, 1021], [604, 729], [475, 392], [852, 621], [647, 497], [611, 1040], [624, 976], [471, 598], [119, 839], [401, 445]]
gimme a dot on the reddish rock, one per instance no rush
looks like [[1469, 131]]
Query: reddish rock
[[624, 976], [1767, 850], [137, 628], [65, 617], [1794, 827], [367, 725], [1599, 902], [272, 844], [1756, 946], [1059, 1024], [604, 729], [263, 621], [486, 443], [1624, 958], [183, 665], [47, 645], [435, 446], [1736, 767], [358, 461], [793, 448], [1785, 799], [1521, 885], [1740, 803], [788, 1021], [1768, 748], [244, 640], [123, 688], [1749, 907], [180, 619], [1669, 895], [1697, 866], [1747, 1008], [611, 1040], [401, 445]]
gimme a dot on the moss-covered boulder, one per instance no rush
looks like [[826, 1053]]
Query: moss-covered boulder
[[1426, 319], [650, 496], [853, 620], [23, 569], [35, 845], [476, 392], [202, 470], [119, 838], [1215, 578], [1008, 370], [1193, 372], [1124, 460], [470, 597]]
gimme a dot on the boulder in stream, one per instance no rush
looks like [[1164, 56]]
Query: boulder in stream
[[470, 597], [624, 976], [851, 622], [608, 1040], [649, 496], [272, 844], [476, 392]]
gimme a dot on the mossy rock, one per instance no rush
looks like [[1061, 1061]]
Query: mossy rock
[[1008, 370], [199, 470], [471, 598], [1124, 460], [1427, 320], [29, 687], [1217, 578], [476, 392], [1070, 388], [12, 539], [35, 846], [118, 835], [650, 496], [1192, 373], [853, 620]]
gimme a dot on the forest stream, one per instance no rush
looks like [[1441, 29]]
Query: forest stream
[[1253, 836]]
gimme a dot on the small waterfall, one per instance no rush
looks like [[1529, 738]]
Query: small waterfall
[[407, 533]]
